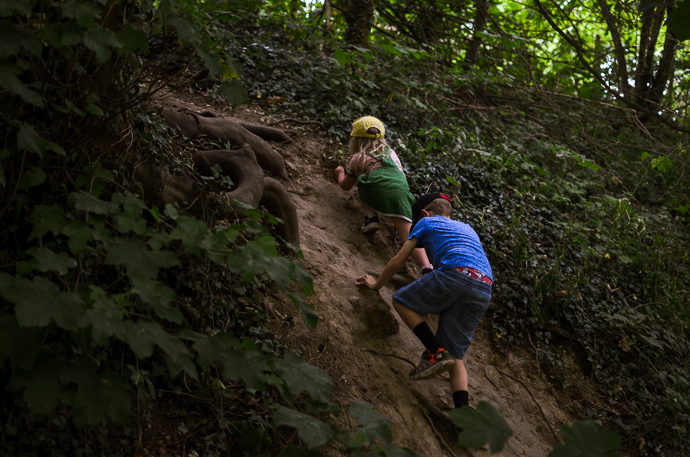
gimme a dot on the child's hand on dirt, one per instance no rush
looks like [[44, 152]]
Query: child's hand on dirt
[[339, 171], [366, 280]]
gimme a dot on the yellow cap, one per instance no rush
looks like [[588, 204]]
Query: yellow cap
[[361, 125]]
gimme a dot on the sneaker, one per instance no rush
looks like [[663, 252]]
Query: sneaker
[[371, 225], [432, 365]]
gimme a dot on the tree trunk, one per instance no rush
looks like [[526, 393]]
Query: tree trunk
[[481, 15], [664, 73], [359, 17]]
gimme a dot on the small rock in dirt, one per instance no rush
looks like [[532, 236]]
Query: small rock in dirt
[[376, 314]]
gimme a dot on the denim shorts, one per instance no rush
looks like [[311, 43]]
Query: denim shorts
[[459, 300]]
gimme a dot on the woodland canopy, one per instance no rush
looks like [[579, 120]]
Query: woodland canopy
[[563, 124]]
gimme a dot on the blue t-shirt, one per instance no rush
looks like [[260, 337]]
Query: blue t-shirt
[[449, 243]]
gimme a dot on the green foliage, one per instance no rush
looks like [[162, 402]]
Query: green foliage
[[680, 21], [481, 426], [582, 439], [577, 227], [312, 431], [109, 303]]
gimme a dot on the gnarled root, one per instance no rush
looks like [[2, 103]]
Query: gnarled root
[[278, 202], [263, 131], [160, 188], [241, 167], [218, 128]]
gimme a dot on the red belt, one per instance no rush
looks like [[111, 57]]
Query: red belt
[[476, 274]]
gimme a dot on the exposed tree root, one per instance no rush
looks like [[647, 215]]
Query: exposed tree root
[[438, 435], [553, 433], [277, 201], [194, 125], [241, 167], [160, 188]]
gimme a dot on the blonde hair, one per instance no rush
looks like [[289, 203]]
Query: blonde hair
[[366, 146]]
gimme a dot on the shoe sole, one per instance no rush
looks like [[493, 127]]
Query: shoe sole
[[371, 230], [435, 370]]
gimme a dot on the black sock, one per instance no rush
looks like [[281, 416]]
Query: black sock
[[427, 337], [461, 398]]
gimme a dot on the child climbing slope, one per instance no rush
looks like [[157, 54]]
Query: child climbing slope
[[458, 290], [381, 183]]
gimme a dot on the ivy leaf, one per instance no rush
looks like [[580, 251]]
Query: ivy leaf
[[234, 92], [84, 201], [47, 260], [221, 238], [10, 81], [372, 424], [480, 426], [158, 296], [185, 29], [43, 384], [131, 218], [254, 257], [312, 431], [212, 63], [194, 234], [34, 176], [29, 140], [40, 301], [8, 7], [99, 395], [583, 440], [394, 451], [250, 366], [283, 270], [140, 262], [260, 256], [14, 38], [83, 12], [141, 337], [234, 69], [60, 35], [18, 343], [171, 212], [210, 350], [224, 350], [106, 317], [129, 221], [309, 316], [300, 376], [45, 219], [79, 233], [100, 41], [132, 40]]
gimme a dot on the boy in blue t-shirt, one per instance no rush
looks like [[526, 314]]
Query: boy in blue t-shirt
[[458, 290]]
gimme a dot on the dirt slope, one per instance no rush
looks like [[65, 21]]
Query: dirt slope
[[360, 341]]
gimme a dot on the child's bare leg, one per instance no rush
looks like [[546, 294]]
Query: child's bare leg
[[403, 228], [409, 317], [458, 376], [368, 211]]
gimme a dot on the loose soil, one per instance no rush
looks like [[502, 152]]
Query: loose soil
[[361, 342]]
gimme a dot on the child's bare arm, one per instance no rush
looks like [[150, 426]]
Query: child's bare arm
[[394, 265], [345, 182]]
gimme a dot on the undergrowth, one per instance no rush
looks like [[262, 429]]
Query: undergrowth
[[584, 222], [111, 306]]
